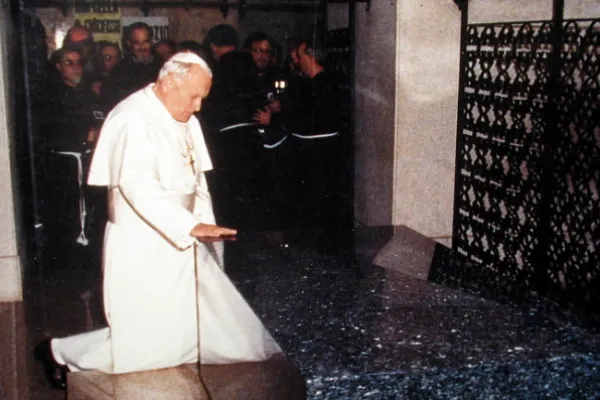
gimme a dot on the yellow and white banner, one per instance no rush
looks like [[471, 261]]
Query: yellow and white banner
[[103, 19]]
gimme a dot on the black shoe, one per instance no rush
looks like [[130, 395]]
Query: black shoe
[[55, 373]]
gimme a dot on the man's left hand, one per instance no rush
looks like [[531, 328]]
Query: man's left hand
[[263, 116], [92, 135]]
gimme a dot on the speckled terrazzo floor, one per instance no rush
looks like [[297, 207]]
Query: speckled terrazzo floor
[[358, 331], [355, 330]]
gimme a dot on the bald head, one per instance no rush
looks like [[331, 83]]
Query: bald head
[[78, 34]]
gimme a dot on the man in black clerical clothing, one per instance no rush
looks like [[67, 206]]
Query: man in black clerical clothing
[[108, 55], [137, 69], [81, 38], [315, 129], [264, 73], [69, 114], [233, 140], [226, 104], [69, 122]]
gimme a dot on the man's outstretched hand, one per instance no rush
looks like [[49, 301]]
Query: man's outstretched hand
[[208, 232]]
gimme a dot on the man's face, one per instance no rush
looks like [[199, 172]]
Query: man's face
[[301, 59], [164, 51], [71, 69], [186, 92], [140, 44], [261, 53], [294, 57], [218, 51], [110, 57]]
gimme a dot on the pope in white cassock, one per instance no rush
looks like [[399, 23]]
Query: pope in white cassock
[[152, 156]]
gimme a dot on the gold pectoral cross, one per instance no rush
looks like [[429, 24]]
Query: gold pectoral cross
[[191, 162], [189, 155]]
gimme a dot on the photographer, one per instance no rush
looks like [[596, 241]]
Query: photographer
[[263, 72]]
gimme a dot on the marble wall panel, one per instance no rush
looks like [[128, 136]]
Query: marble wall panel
[[10, 267], [484, 11], [428, 59], [7, 233], [582, 9]]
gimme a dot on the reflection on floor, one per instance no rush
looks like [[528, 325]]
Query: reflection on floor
[[270, 380], [354, 329]]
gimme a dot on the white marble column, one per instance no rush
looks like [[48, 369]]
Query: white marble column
[[10, 266]]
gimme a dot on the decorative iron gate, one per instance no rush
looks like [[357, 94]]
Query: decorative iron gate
[[527, 205]]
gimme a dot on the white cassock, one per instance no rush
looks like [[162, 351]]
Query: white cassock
[[150, 293]]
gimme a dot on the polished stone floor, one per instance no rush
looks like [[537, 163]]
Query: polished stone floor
[[354, 312], [358, 330]]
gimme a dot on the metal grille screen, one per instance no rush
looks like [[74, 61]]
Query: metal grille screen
[[528, 158]]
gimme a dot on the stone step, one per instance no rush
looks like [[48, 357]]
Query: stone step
[[273, 379]]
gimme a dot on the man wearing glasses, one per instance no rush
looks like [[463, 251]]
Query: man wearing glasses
[[68, 121], [260, 46], [69, 105], [264, 73], [81, 38]]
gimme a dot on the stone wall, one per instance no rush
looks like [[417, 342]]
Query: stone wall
[[10, 266]]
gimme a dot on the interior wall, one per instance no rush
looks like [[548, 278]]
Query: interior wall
[[10, 266], [337, 16], [482, 11], [375, 105], [280, 25], [582, 9], [425, 101], [184, 24]]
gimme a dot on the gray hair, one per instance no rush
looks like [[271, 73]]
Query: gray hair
[[180, 64]]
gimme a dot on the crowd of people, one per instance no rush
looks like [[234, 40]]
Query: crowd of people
[[274, 126]]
